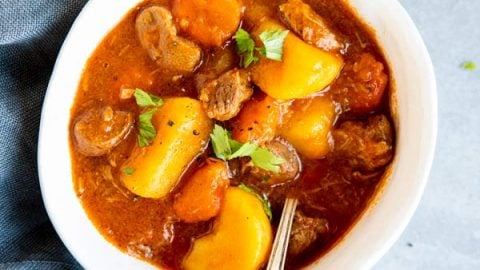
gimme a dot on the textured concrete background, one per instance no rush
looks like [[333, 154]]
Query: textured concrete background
[[445, 231]]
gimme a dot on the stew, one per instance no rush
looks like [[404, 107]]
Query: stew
[[194, 120]]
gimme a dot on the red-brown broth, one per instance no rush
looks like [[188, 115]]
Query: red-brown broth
[[138, 225]]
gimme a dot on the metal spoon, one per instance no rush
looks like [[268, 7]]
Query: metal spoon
[[280, 244]]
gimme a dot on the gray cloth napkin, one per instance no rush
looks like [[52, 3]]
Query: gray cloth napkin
[[31, 33]]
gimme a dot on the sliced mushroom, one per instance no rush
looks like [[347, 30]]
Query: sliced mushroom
[[99, 130], [289, 169], [158, 35]]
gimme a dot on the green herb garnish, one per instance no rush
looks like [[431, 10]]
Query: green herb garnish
[[145, 99], [244, 150], [468, 65], [263, 200], [245, 47], [227, 148], [221, 142], [266, 160], [129, 170], [273, 42], [146, 130]]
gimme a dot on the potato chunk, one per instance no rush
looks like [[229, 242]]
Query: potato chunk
[[308, 125], [304, 69], [182, 133], [241, 237]]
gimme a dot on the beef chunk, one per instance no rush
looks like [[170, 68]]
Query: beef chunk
[[313, 29], [99, 130], [361, 85], [158, 35], [305, 231], [366, 146], [288, 170], [223, 97], [214, 64]]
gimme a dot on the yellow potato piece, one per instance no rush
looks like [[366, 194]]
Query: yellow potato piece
[[183, 130], [304, 69], [308, 126], [241, 238]]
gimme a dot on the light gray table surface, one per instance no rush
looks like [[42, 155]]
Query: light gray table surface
[[445, 230]]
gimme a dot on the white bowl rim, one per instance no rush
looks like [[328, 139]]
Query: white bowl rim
[[96, 252]]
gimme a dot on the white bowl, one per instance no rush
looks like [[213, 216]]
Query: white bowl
[[373, 234]]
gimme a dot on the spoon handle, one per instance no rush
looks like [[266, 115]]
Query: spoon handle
[[280, 244]]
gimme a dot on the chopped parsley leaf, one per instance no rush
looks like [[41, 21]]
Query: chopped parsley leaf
[[273, 41], [145, 99], [226, 148], [468, 65], [128, 170], [146, 130], [245, 47]]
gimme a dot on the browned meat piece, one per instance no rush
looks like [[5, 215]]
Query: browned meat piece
[[305, 231], [313, 29], [223, 97], [158, 35], [218, 62], [365, 145], [288, 170], [361, 85], [99, 130]]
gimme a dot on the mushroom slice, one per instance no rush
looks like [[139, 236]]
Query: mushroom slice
[[99, 130], [289, 169], [158, 35]]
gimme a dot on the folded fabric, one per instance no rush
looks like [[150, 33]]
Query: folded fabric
[[31, 33]]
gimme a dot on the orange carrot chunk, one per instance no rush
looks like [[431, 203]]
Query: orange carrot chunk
[[211, 22], [362, 85], [200, 199], [257, 121]]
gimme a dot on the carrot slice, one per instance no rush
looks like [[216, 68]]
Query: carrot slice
[[362, 85], [211, 22], [200, 199], [257, 121]]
